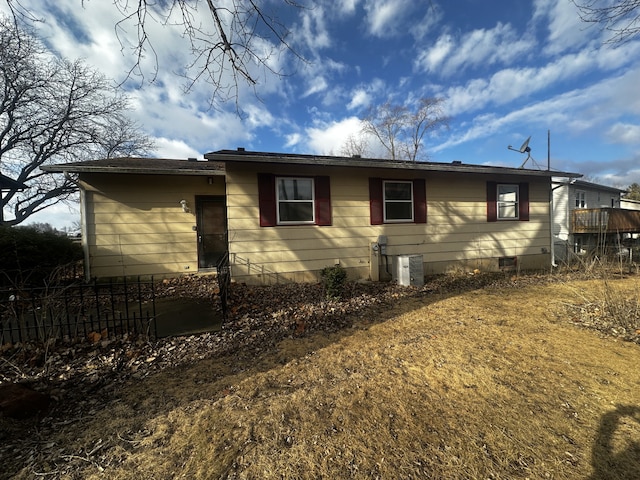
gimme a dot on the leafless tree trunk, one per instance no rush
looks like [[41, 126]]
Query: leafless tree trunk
[[54, 111]]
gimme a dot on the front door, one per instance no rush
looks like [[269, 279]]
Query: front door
[[211, 218]]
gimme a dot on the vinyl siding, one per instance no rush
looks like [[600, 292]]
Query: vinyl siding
[[135, 224], [456, 232]]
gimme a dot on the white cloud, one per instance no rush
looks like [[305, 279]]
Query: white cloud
[[292, 140], [329, 138], [172, 148], [258, 116], [586, 111], [431, 59], [360, 98], [421, 28], [624, 133], [386, 17], [347, 6], [507, 85], [316, 85], [478, 48], [561, 18], [313, 30]]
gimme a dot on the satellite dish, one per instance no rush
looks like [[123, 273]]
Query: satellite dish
[[524, 148]]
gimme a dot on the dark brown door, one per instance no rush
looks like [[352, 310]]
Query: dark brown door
[[211, 215]]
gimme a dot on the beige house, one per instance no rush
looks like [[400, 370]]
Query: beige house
[[285, 217]]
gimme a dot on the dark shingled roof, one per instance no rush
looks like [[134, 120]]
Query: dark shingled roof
[[157, 166], [241, 155]]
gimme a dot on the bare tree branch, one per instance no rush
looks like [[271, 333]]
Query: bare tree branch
[[621, 17], [400, 130], [54, 111]]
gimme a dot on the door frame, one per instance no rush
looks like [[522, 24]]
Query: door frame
[[200, 200]]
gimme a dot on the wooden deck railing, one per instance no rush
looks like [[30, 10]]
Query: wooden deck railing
[[605, 220]]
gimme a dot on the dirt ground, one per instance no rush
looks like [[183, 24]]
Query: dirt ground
[[477, 376]]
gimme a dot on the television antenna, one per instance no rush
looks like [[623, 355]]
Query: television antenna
[[525, 148]]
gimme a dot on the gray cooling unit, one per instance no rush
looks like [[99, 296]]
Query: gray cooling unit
[[408, 270]]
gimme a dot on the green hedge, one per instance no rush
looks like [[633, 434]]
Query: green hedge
[[29, 256]]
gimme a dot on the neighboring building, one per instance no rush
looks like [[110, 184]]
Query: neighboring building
[[285, 217], [589, 217], [629, 204]]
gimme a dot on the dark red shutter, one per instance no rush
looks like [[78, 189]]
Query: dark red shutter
[[492, 207], [267, 199], [523, 204], [419, 201], [375, 201], [323, 200]]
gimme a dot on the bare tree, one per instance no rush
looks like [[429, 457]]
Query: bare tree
[[232, 42], [356, 145], [620, 17], [400, 130], [54, 111]]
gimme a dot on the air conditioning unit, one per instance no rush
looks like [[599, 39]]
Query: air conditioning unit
[[408, 270]]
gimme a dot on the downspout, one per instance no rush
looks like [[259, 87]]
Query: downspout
[[83, 225], [551, 225], [562, 184], [553, 249]]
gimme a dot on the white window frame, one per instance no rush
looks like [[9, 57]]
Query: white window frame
[[385, 201], [312, 201], [581, 199], [505, 203]]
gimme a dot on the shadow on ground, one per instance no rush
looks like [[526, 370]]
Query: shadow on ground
[[186, 316]]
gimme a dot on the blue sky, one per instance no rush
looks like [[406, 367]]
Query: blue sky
[[506, 70]]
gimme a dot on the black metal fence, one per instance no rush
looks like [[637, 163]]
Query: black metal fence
[[78, 311]]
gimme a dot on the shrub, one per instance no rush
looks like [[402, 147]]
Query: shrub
[[28, 256], [333, 280]]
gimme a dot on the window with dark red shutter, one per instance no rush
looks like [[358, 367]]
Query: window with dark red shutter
[[419, 201], [507, 201], [523, 213], [376, 201], [294, 200], [267, 199], [397, 201], [323, 200]]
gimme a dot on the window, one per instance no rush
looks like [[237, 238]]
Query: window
[[581, 199], [397, 201], [507, 201], [294, 200]]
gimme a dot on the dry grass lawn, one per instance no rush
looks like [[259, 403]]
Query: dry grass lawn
[[496, 383]]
